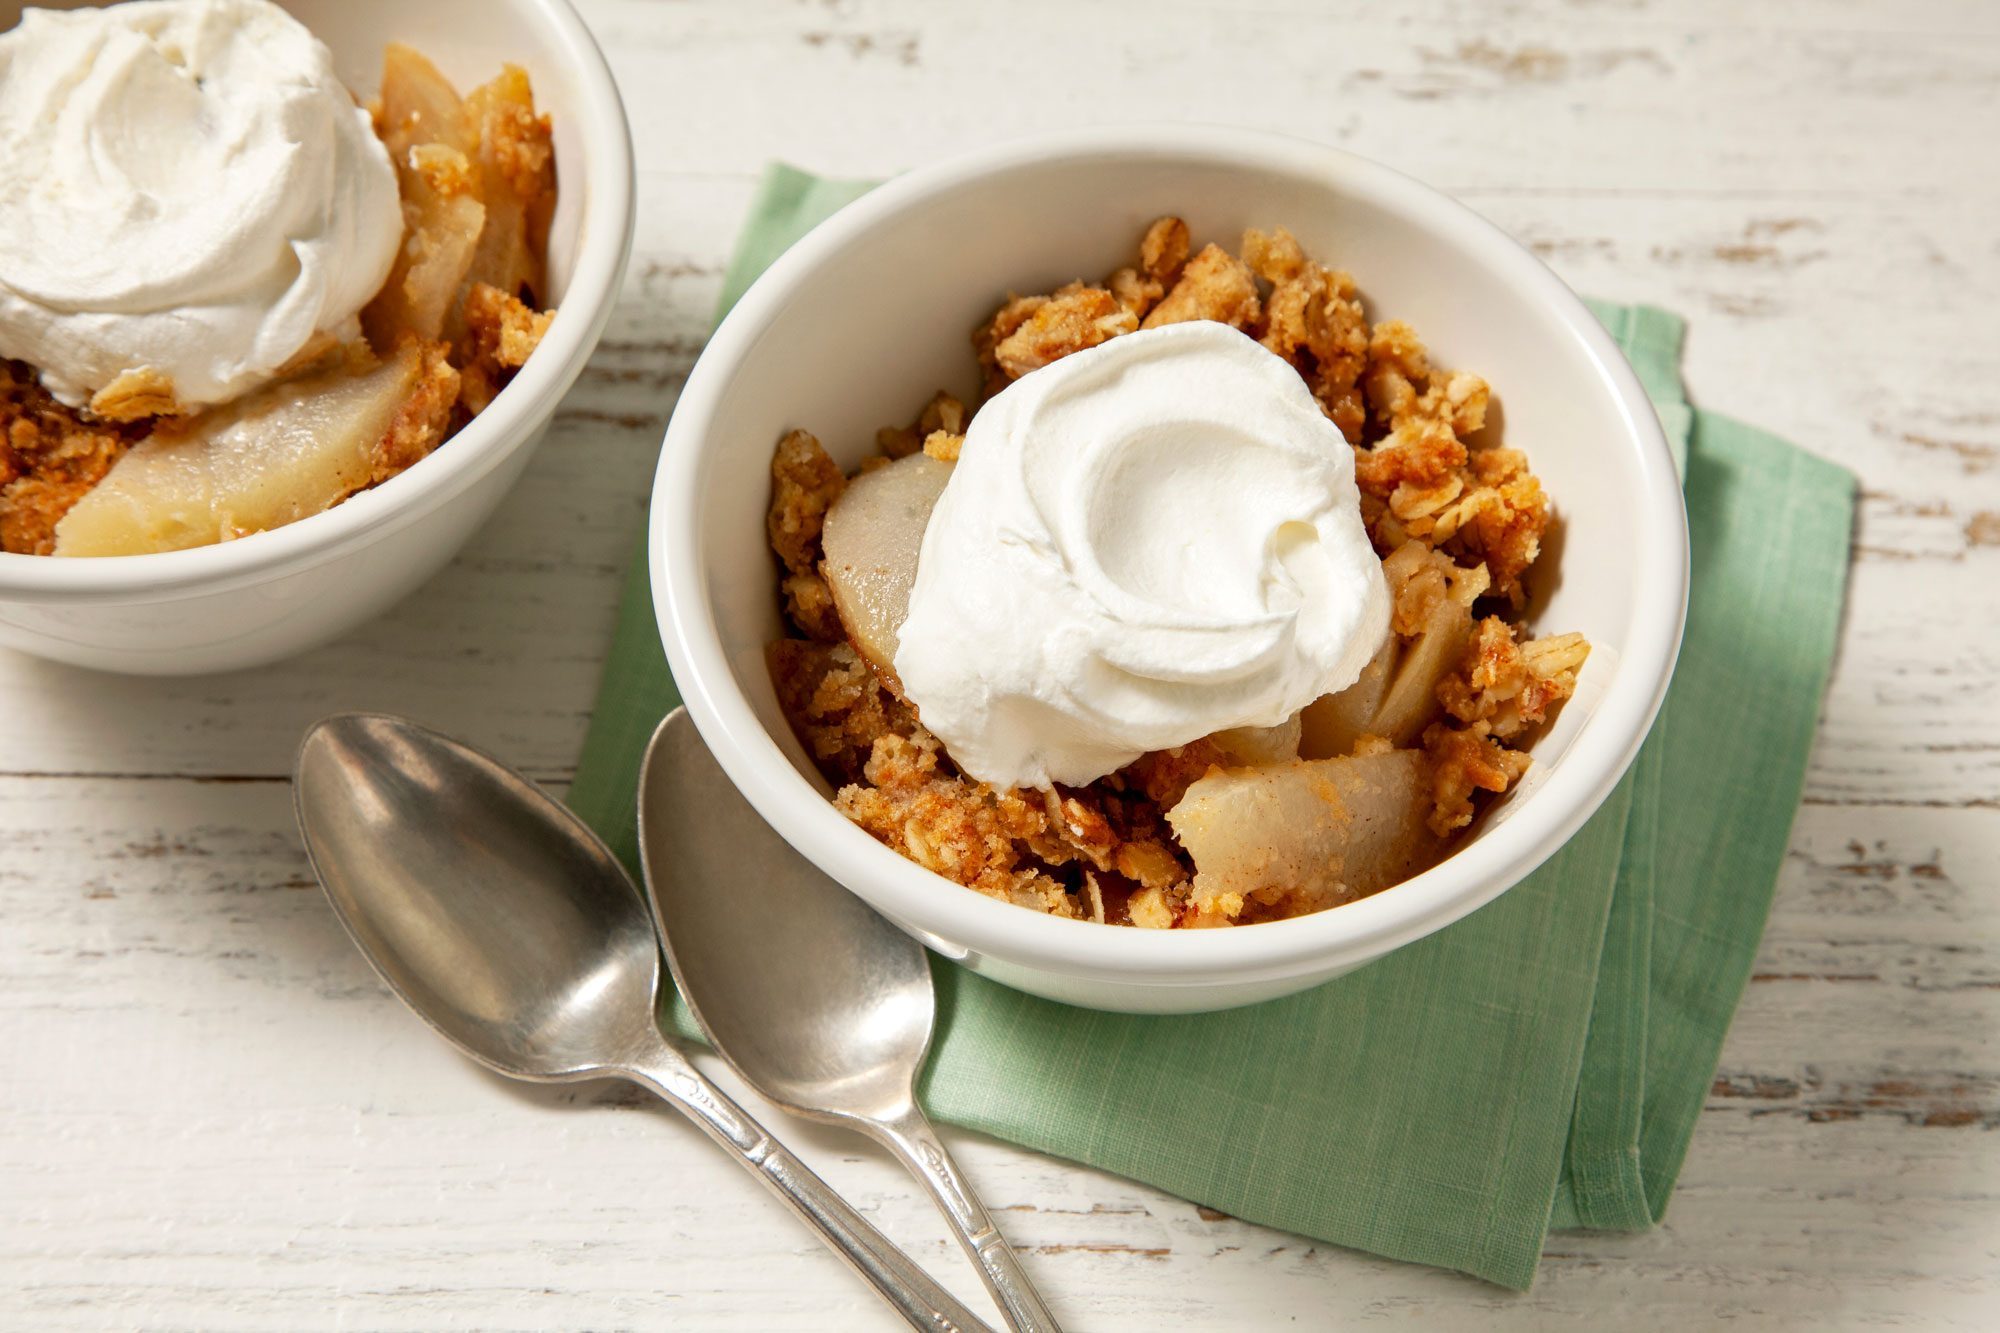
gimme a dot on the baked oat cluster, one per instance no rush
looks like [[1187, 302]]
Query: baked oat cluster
[[1361, 790], [460, 313]]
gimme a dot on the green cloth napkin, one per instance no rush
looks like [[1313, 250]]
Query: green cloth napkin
[[1540, 1063]]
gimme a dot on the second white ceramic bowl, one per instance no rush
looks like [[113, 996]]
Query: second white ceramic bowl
[[857, 324], [272, 594]]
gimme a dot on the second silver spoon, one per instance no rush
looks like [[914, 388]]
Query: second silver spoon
[[819, 1003]]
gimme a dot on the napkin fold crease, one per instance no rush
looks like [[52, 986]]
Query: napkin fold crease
[[1538, 1064]]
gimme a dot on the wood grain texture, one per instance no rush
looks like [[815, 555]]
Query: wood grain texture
[[212, 1117]]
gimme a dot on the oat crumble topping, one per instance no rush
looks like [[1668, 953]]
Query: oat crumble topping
[[1458, 521]]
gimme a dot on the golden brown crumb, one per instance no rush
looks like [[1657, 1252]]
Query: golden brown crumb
[[501, 332], [1164, 776], [1070, 853], [136, 395], [836, 705], [1465, 760], [50, 456], [1314, 320], [894, 781], [1214, 285], [1423, 479], [943, 446], [986, 339], [964, 831], [1418, 447], [1150, 862], [423, 420], [1397, 363], [1500, 690], [1164, 249], [1421, 458], [1419, 579], [1070, 321], [1508, 685], [944, 412], [809, 603], [1501, 525], [1135, 291], [805, 481], [1077, 828], [1275, 256], [1149, 910]]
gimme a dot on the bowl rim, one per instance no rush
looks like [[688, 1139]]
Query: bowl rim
[[961, 921], [604, 244]]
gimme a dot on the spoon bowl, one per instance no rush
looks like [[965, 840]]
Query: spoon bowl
[[511, 929], [545, 969], [841, 1040], [819, 1003]]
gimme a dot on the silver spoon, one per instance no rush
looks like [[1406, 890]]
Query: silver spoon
[[502, 920], [820, 1004]]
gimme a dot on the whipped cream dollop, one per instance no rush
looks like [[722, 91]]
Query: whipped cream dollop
[[1142, 544], [187, 190]]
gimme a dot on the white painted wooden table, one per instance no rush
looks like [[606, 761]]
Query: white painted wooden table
[[211, 1116]]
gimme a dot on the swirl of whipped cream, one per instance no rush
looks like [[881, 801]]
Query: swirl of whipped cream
[[187, 190], [1142, 544]]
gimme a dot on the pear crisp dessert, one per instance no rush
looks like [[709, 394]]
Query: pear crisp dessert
[[283, 299], [1207, 614]]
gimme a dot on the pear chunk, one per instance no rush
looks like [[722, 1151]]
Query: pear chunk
[[1261, 745], [477, 176], [873, 535], [1330, 725], [435, 148], [1307, 835], [272, 457], [1396, 695]]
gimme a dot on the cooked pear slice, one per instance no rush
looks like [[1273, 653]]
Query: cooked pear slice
[[1331, 724], [1396, 696], [442, 221], [478, 183], [517, 173], [1411, 703], [872, 538], [273, 457], [1309, 834], [1261, 745], [418, 105], [434, 143]]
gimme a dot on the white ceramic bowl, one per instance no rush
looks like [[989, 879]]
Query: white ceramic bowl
[[858, 323], [275, 593]]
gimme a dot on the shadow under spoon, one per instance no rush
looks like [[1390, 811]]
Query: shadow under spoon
[[819, 1003], [502, 920]]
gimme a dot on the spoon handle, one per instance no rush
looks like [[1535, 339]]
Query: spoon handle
[[896, 1278], [912, 1139]]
